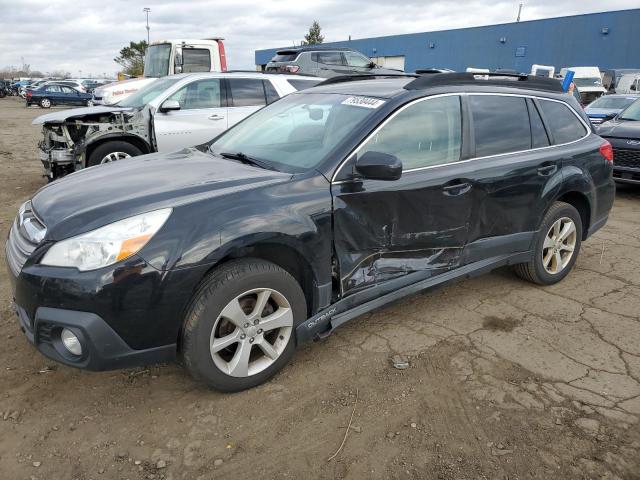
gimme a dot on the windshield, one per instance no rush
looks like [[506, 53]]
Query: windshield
[[296, 133], [147, 93], [632, 112], [156, 61], [588, 82], [614, 103]]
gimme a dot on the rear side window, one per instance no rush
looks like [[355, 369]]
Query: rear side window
[[284, 57], [328, 58], [269, 89], [539, 137], [196, 60], [302, 84], [500, 124], [564, 124], [246, 92]]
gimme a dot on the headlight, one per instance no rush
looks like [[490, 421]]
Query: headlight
[[108, 244]]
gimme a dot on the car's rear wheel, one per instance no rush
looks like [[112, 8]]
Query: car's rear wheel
[[240, 328], [45, 103], [111, 152], [556, 247]]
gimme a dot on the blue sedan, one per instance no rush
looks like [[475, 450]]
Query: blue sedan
[[53, 94]]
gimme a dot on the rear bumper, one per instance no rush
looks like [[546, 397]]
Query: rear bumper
[[102, 347]]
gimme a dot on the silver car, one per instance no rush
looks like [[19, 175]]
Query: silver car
[[171, 113], [324, 62], [608, 106]]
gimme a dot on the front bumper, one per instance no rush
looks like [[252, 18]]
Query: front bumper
[[102, 347], [125, 315]]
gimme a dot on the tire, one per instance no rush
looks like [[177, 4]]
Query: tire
[[45, 103], [241, 282], [552, 259], [89, 103], [118, 150]]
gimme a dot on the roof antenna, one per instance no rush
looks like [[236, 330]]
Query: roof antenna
[[519, 11]]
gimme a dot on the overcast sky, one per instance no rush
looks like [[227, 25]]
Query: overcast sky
[[83, 37]]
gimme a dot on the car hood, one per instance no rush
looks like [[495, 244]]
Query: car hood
[[620, 129], [97, 196], [74, 113], [602, 112]]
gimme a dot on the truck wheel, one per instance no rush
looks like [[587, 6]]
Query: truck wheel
[[239, 330], [556, 247], [112, 151], [45, 103]]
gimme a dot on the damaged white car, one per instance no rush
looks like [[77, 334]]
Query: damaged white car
[[169, 114]]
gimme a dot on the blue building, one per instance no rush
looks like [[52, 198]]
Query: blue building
[[606, 40]]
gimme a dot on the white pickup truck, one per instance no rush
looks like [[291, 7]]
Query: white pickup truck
[[168, 57]]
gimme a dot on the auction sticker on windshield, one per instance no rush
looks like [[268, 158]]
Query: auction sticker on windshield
[[365, 102]]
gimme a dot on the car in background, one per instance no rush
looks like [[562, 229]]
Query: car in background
[[608, 106], [324, 62], [171, 113], [611, 77], [623, 132], [629, 83], [589, 82], [52, 94]]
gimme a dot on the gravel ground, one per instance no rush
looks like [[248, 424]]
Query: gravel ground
[[505, 380]]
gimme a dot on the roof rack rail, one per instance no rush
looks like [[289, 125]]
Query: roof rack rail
[[365, 76], [496, 79], [270, 73]]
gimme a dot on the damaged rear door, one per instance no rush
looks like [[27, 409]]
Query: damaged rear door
[[387, 229]]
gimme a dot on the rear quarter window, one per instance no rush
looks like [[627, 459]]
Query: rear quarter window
[[564, 124]]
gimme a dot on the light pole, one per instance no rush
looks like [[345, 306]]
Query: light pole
[[146, 10]]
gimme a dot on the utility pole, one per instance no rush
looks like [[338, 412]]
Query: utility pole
[[519, 11], [146, 10]]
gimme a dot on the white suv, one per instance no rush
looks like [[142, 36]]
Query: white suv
[[173, 112]]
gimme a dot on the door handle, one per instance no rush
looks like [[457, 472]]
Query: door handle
[[456, 187], [546, 170], [216, 117]]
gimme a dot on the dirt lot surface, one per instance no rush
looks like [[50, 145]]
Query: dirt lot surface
[[505, 380]]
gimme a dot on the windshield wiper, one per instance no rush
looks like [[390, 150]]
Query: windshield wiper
[[248, 160]]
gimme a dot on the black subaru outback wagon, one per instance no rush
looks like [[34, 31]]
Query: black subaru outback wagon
[[322, 206]]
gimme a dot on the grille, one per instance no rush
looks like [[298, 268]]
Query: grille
[[626, 158], [25, 235]]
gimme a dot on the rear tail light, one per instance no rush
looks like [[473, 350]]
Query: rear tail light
[[606, 150], [292, 68], [29, 94]]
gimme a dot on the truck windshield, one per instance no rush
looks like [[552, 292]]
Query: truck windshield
[[587, 82], [297, 132], [156, 61], [148, 93]]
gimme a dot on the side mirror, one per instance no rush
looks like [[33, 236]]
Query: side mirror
[[169, 105], [177, 63], [379, 166], [373, 65]]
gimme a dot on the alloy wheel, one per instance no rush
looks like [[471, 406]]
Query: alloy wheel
[[114, 156], [46, 103], [559, 245], [251, 332]]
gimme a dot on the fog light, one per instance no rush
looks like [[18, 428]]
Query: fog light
[[71, 342]]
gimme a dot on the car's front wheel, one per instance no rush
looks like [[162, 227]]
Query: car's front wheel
[[556, 247], [111, 152], [240, 328]]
